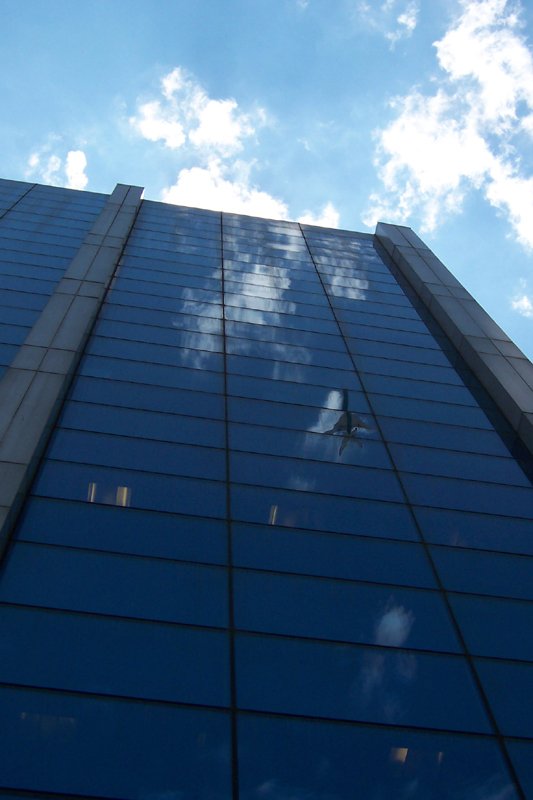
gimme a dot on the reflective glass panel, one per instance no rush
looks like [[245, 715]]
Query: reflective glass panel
[[357, 683], [50, 738], [289, 758]]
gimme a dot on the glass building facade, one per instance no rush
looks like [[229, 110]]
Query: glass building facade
[[275, 539]]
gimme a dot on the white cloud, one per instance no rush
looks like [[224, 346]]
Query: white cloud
[[394, 20], [406, 23], [75, 169], [157, 124], [221, 126], [523, 301], [224, 188], [328, 217], [185, 114], [212, 133], [523, 305], [394, 626], [464, 135], [49, 168]]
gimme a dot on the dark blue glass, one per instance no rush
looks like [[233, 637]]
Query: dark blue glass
[[275, 293], [29, 270], [22, 299], [280, 306], [508, 689], [119, 585], [154, 271], [288, 353], [353, 310], [489, 498], [407, 369], [143, 424], [374, 333], [401, 352], [343, 446], [151, 398], [522, 755], [166, 319], [428, 411], [261, 317], [290, 336], [353, 319], [289, 279], [153, 334], [483, 531], [17, 316], [173, 291], [343, 296], [30, 285], [123, 530], [429, 461], [362, 279], [364, 684], [128, 452], [7, 353], [317, 477], [484, 573], [335, 556], [295, 393], [297, 274], [178, 258], [156, 354], [165, 303], [299, 373], [322, 512], [129, 488], [342, 611], [180, 664], [49, 738], [438, 434], [289, 758], [306, 418], [138, 243], [154, 374], [500, 628]]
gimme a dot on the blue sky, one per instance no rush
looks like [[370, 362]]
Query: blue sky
[[336, 112]]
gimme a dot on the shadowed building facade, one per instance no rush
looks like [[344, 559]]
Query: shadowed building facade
[[265, 510]]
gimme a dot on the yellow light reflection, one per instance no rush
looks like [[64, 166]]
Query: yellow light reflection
[[123, 496], [273, 515], [91, 492], [399, 754]]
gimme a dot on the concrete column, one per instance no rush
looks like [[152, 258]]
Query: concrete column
[[499, 365], [33, 388]]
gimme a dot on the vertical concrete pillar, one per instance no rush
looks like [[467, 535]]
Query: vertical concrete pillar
[[499, 365], [33, 388]]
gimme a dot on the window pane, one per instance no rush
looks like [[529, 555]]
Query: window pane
[[322, 512], [100, 655], [336, 556], [123, 530], [125, 585], [300, 759], [342, 611], [357, 683], [48, 740]]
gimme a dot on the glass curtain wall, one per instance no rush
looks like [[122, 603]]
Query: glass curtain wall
[[280, 543], [41, 229]]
